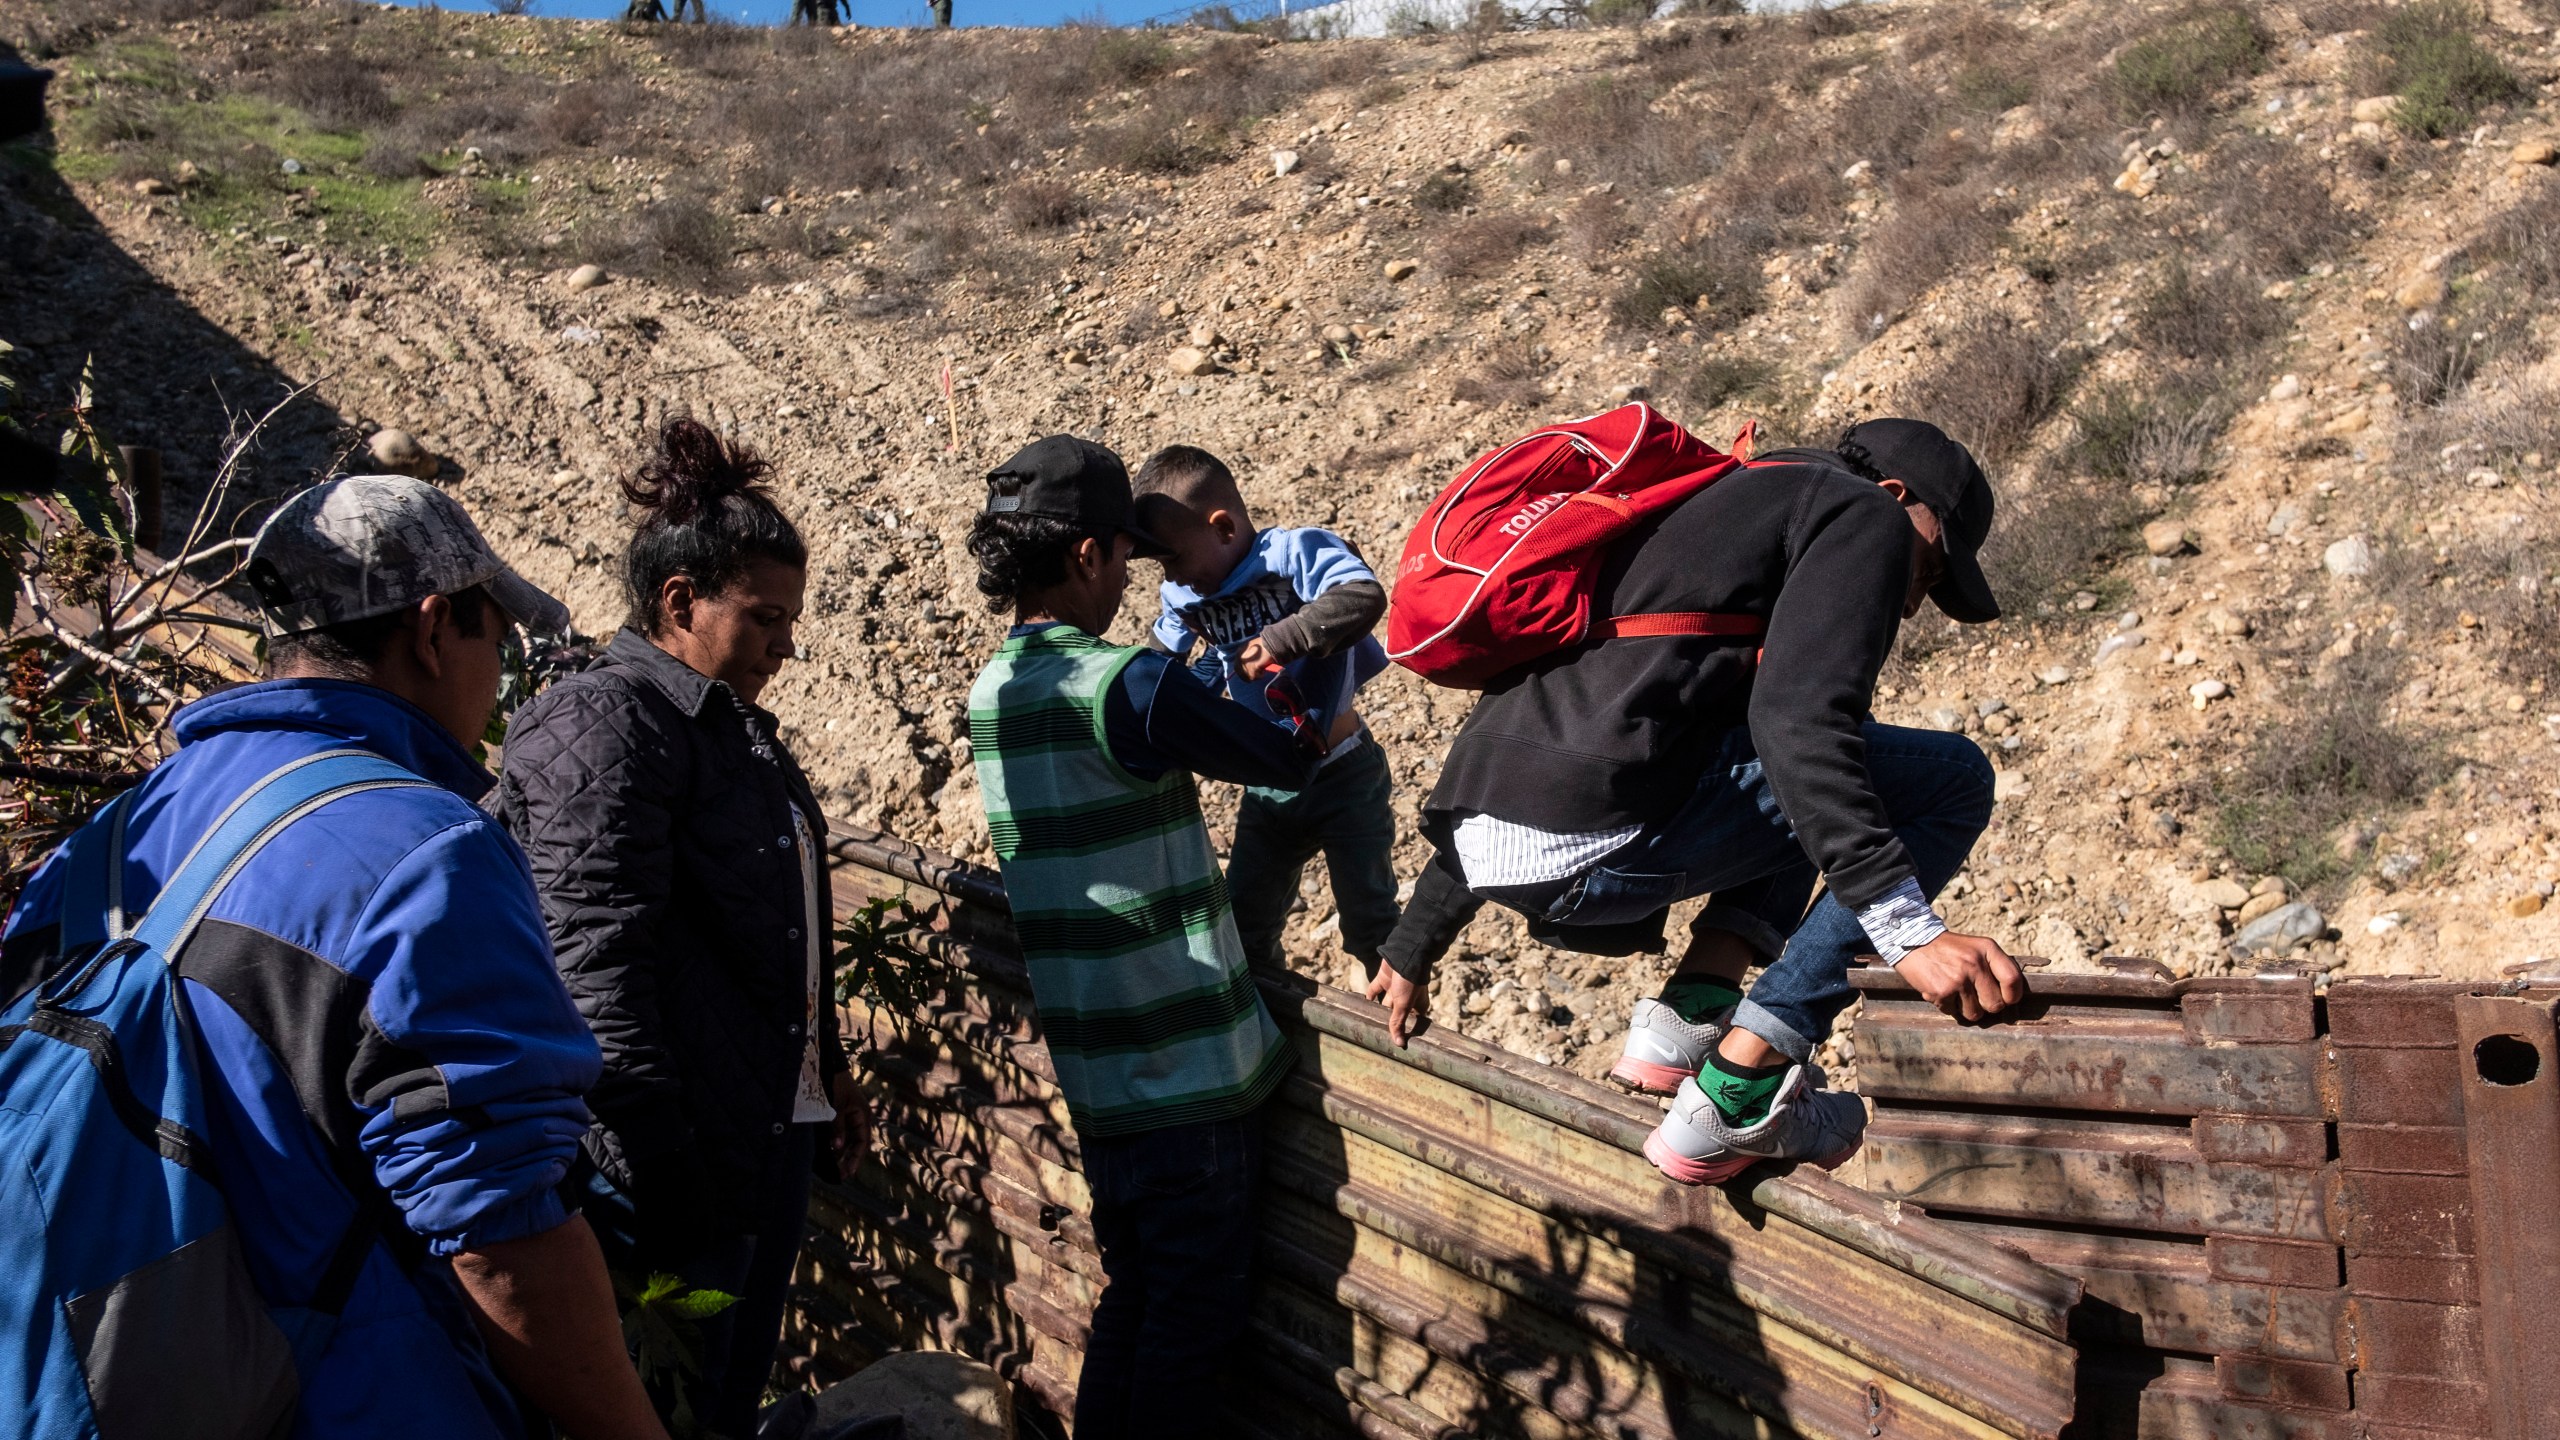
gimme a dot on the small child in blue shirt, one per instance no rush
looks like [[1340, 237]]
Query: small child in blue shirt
[[1282, 618]]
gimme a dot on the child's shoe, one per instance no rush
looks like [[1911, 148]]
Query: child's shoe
[[1663, 1049], [1695, 1145]]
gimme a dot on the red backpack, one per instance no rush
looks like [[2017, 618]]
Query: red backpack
[[1499, 570]]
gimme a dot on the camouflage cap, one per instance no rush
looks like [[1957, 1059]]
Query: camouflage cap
[[367, 545]]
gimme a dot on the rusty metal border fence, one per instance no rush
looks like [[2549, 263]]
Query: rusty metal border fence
[[2299, 1216], [1458, 1241]]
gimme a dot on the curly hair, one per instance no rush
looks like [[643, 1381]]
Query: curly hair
[[1021, 554]]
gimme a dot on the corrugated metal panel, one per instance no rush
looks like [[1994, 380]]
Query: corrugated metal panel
[[1458, 1241]]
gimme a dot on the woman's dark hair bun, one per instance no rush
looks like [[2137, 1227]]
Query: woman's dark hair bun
[[691, 471], [704, 513]]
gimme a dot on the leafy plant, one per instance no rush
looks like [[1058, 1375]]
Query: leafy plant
[[2184, 64], [2437, 66], [85, 483], [662, 1323], [874, 947]]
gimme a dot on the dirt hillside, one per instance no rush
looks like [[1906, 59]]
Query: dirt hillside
[[2246, 306]]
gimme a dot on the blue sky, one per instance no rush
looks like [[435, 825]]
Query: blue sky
[[887, 12]]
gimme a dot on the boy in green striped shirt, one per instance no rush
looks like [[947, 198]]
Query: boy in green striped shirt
[[1085, 752]]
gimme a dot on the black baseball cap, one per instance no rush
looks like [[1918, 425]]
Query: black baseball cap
[[1942, 475], [1066, 478]]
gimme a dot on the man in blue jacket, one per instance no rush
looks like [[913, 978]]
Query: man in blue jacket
[[388, 1050]]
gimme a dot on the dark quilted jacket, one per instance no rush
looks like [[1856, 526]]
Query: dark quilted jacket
[[655, 806]]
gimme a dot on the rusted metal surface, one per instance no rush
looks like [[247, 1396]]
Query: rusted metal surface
[[2511, 1099], [1458, 1241], [2297, 1213]]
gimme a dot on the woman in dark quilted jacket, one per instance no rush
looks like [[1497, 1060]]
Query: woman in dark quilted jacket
[[679, 853]]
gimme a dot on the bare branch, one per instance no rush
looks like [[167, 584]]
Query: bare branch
[[83, 648]]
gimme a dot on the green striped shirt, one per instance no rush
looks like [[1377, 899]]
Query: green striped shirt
[[1151, 1017]]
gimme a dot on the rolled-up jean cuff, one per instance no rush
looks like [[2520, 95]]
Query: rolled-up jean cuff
[[1750, 929], [1780, 1035]]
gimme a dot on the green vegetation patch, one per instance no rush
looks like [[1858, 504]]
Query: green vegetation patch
[[2433, 60], [2184, 64], [2337, 758]]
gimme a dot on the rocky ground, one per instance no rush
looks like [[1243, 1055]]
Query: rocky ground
[[2255, 350]]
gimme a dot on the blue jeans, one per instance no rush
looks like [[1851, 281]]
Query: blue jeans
[[1175, 1214], [1732, 841]]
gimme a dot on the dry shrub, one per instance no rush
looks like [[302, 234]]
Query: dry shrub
[[2499, 418], [1610, 131], [2210, 317], [332, 90], [1926, 236], [2274, 202], [681, 239], [2334, 758], [585, 112], [1596, 228], [1720, 379], [1044, 204], [2150, 433], [2057, 538], [1444, 193], [1507, 377], [2525, 237], [1487, 245], [1714, 278], [1995, 380], [2434, 359]]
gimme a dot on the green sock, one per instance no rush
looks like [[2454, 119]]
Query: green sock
[[1741, 1092], [1695, 998]]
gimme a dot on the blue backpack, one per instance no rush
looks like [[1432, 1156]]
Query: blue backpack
[[120, 1275]]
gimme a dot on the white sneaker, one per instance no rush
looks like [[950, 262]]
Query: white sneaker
[[1695, 1146], [1663, 1049]]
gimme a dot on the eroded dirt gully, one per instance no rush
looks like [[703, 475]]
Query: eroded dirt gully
[[2105, 840]]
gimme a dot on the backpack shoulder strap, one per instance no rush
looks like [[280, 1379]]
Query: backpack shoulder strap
[[263, 812], [93, 880]]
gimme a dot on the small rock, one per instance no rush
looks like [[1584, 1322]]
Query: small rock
[[1337, 335], [2354, 841], [2374, 109], [2166, 537], [1282, 162], [2481, 477], [2084, 601], [2223, 622], [1073, 358], [2385, 923], [1169, 309], [2054, 675], [292, 166], [1191, 360], [1203, 336], [2424, 293], [2165, 825], [2352, 421], [2128, 619], [2226, 894], [1859, 173], [1947, 719], [2535, 152], [2348, 559], [2139, 180], [587, 277], [2397, 867], [937, 1394], [153, 185], [2205, 692], [2286, 520], [2288, 388], [2258, 907], [1621, 394], [1407, 269], [1564, 168], [2117, 644], [1991, 707], [2524, 905], [398, 452], [189, 172], [2271, 885], [2279, 931]]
